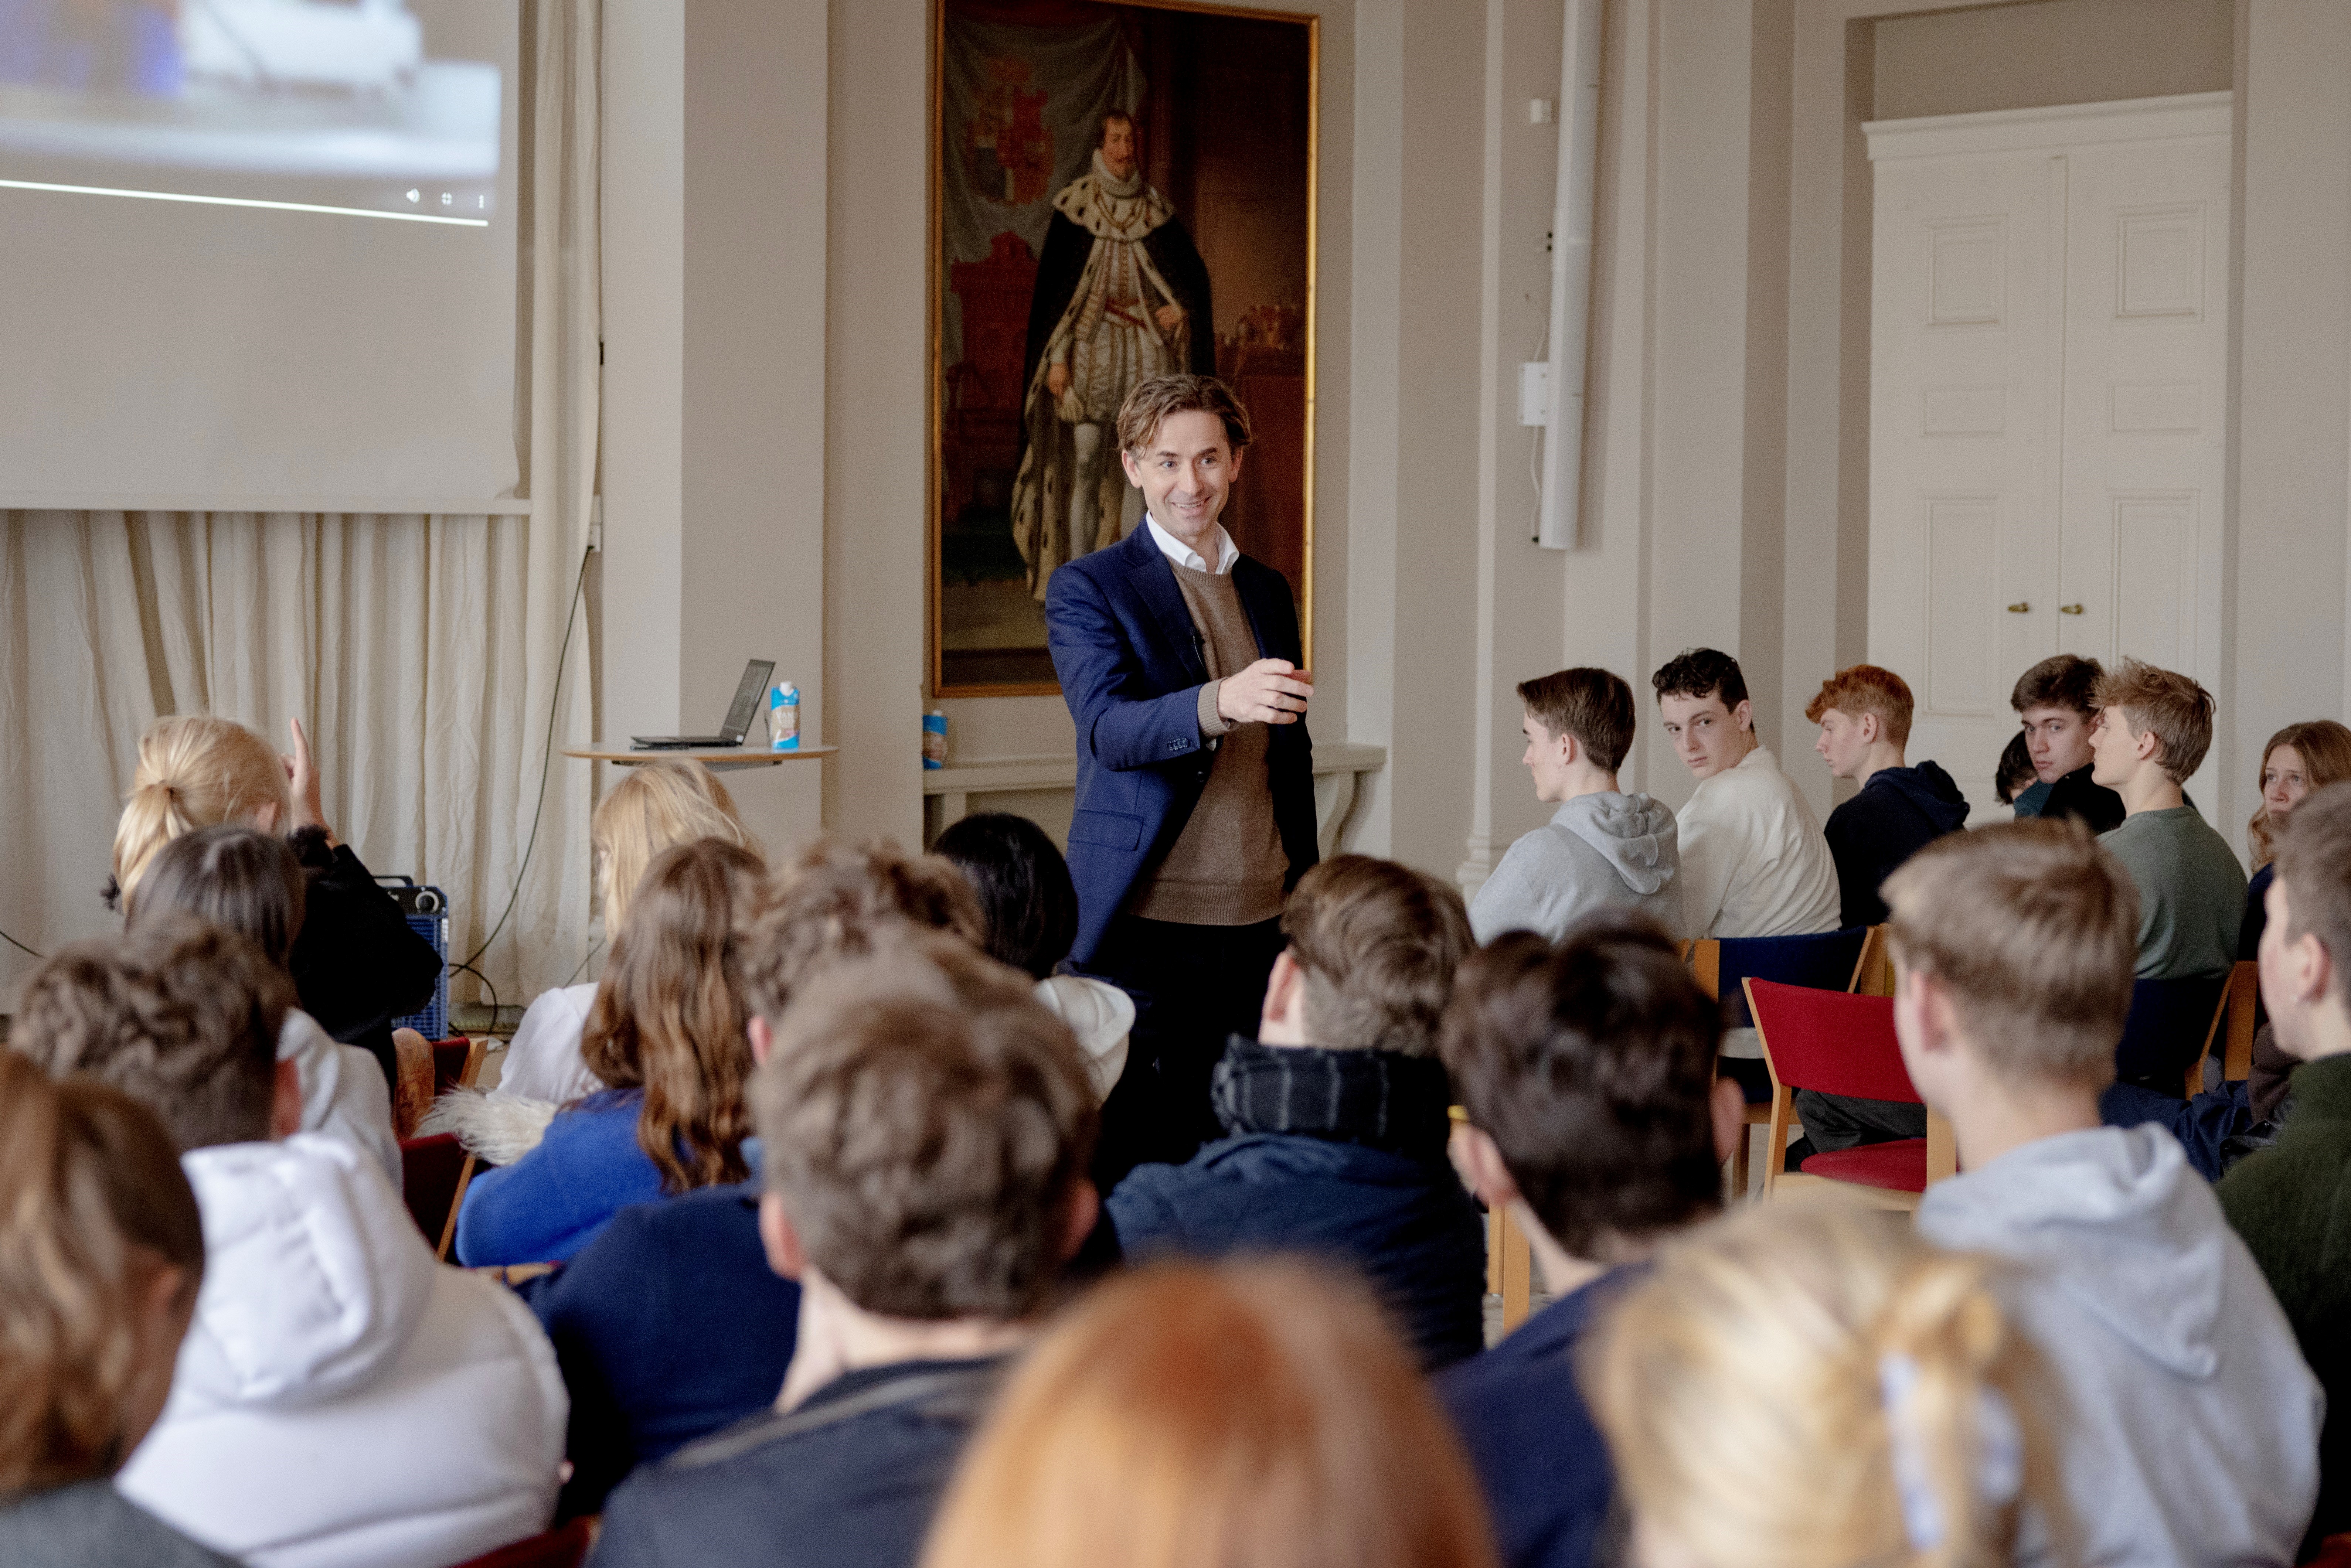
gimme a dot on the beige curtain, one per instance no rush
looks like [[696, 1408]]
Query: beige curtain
[[426, 655]]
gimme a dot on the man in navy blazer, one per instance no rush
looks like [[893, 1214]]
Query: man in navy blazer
[[1179, 658]]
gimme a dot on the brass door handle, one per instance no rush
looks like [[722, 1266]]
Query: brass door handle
[[2019, 608], [2069, 609]]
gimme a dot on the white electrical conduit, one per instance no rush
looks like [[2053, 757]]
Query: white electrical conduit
[[1559, 525]]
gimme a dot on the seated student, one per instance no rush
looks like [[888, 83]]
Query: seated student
[[2289, 1201], [2015, 783], [1031, 907], [356, 964], [1597, 1123], [1603, 849], [1336, 1116], [342, 1398], [2194, 1422], [665, 1036], [1803, 1385], [2153, 729], [249, 881], [101, 1251], [1753, 862], [670, 1324], [657, 806], [2057, 702], [1249, 1415], [1864, 713], [2298, 760], [925, 1125]]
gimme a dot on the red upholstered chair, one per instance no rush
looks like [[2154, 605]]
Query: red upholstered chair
[[1837, 1043], [456, 1062], [434, 1170], [564, 1548]]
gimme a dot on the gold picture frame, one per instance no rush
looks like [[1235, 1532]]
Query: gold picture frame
[[960, 672]]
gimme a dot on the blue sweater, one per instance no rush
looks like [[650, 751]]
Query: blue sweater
[[668, 1326], [1396, 1215], [547, 1205], [1541, 1461]]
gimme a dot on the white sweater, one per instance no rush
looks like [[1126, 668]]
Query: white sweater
[[1754, 860], [343, 1091], [542, 1060], [341, 1400]]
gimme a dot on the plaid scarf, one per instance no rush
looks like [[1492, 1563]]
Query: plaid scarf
[[1380, 1098]]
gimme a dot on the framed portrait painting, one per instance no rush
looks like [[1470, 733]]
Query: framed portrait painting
[[1118, 191]]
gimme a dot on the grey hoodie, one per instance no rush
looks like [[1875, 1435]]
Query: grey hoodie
[[1598, 851], [2191, 1423]]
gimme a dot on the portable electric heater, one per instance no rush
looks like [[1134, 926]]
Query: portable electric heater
[[426, 910]]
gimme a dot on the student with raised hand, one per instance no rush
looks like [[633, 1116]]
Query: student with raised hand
[[1811, 1386], [671, 1324], [356, 965], [1603, 849], [666, 1037], [1336, 1116], [1864, 713], [248, 881], [2290, 1201], [1031, 906], [1596, 1122], [2298, 760], [1753, 861], [925, 1125], [341, 1399], [2194, 1422], [101, 1251], [2056, 701], [658, 806], [1257, 1415], [2154, 726]]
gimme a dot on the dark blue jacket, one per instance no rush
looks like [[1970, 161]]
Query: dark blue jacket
[[1541, 1461], [668, 1326], [1131, 667], [1898, 813], [1401, 1220], [849, 1480]]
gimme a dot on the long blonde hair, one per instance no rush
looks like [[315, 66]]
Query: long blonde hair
[[1744, 1386], [194, 771], [658, 806], [1249, 1415], [2324, 747], [92, 1200]]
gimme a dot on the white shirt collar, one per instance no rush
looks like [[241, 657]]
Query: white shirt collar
[[1182, 554]]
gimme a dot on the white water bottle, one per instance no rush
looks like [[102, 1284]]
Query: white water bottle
[[784, 718]]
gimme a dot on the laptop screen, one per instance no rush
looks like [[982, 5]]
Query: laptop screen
[[746, 699]]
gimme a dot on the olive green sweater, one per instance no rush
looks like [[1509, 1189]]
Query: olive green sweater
[[2291, 1203]]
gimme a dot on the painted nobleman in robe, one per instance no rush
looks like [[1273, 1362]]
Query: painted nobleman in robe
[[1121, 295]]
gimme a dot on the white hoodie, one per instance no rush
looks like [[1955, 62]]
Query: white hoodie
[[2191, 1436], [343, 1091], [542, 1060], [341, 1400], [1101, 1015]]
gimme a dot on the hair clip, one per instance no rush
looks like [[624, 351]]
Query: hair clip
[[2000, 1452]]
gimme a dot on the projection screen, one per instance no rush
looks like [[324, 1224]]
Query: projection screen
[[257, 249]]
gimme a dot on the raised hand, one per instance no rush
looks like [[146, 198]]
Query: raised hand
[[302, 779], [1271, 691]]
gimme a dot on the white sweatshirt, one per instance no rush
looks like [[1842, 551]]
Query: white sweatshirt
[[1754, 861], [542, 1060], [341, 1400], [343, 1091]]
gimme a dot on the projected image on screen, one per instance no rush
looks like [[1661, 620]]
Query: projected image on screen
[[383, 108]]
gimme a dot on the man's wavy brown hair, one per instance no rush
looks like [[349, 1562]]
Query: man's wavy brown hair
[[92, 1202], [1376, 944], [669, 1016], [828, 903]]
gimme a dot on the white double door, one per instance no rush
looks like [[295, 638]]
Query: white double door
[[2048, 404]]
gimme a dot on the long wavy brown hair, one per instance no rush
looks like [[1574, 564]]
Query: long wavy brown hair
[[2324, 747], [669, 1015]]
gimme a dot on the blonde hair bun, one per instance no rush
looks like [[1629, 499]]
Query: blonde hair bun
[[194, 771]]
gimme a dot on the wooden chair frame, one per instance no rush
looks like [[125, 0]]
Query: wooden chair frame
[[2243, 1004], [478, 1049]]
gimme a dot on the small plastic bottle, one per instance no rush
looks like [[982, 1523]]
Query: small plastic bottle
[[784, 718]]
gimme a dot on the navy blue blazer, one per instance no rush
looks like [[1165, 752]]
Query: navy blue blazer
[[1132, 665]]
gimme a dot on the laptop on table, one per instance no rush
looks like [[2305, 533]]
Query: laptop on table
[[740, 714]]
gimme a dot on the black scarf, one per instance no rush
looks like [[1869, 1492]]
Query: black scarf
[[1384, 1099]]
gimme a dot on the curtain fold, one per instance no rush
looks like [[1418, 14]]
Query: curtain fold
[[426, 655]]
